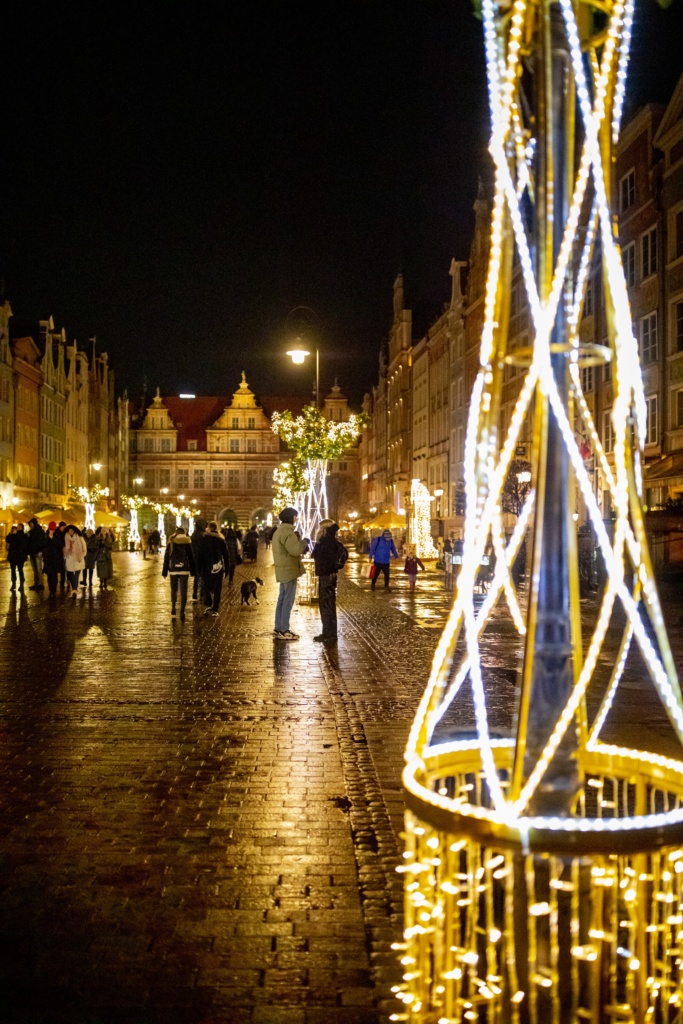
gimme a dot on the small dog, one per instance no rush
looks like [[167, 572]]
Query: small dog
[[248, 590]]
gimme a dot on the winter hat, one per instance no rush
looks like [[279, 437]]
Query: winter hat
[[52, 526], [288, 515], [33, 522]]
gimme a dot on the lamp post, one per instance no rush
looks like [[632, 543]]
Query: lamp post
[[137, 481], [298, 355]]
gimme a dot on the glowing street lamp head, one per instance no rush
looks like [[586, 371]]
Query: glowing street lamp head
[[438, 492], [164, 490], [97, 466], [181, 497], [138, 479], [298, 355]]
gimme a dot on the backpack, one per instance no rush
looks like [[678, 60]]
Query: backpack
[[179, 560], [217, 567], [341, 557]]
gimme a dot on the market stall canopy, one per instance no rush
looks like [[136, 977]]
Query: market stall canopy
[[386, 521], [110, 519], [48, 514], [11, 516]]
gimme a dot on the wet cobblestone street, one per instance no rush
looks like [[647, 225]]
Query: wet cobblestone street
[[200, 825]]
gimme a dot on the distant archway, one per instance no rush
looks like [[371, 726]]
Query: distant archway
[[228, 517], [259, 517]]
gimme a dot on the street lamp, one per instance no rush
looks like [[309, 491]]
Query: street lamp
[[137, 481], [298, 356], [438, 494]]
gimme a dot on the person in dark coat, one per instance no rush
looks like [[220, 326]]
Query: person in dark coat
[[179, 564], [250, 544], [234, 557], [103, 560], [36, 543], [91, 544], [53, 557], [329, 556], [213, 565], [154, 542], [61, 539], [17, 553], [196, 539]]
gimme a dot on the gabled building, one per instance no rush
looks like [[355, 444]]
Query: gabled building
[[28, 378], [6, 410], [52, 476]]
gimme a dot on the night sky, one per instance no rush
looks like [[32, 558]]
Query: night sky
[[176, 178]]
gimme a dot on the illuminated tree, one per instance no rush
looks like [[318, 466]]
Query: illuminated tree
[[315, 440], [134, 502], [90, 496]]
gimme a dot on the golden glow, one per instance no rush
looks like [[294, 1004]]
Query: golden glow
[[612, 869]]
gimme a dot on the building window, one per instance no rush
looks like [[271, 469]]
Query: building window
[[678, 327], [251, 423], [627, 191], [234, 445], [677, 235], [648, 338], [164, 478], [343, 467], [148, 445], [252, 479], [217, 479], [587, 379], [192, 446], [199, 479], [678, 408], [183, 479], [233, 479], [648, 250], [588, 304], [607, 432], [651, 424], [235, 423], [628, 257], [148, 478], [251, 444], [166, 444]]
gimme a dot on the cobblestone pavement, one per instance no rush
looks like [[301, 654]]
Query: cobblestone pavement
[[201, 826]]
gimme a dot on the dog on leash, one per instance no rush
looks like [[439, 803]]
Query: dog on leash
[[248, 590]]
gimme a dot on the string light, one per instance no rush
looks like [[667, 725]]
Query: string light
[[461, 881]]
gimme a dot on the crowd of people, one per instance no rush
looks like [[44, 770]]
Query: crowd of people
[[208, 556], [60, 553]]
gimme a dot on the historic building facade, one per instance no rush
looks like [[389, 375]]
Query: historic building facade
[[219, 455], [6, 408]]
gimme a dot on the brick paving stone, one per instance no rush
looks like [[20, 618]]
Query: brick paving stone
[[200, 826]]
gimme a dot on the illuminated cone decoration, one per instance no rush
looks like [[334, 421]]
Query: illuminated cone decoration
[[543, 871]]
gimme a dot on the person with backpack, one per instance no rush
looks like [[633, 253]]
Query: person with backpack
[[382, 550], [36, 546], [329, 556], [197, 538], [212, 563], [179, 565]]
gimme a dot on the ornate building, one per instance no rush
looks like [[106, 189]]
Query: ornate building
[[220, 454]]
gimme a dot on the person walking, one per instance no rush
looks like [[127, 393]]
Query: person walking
[[329, 556], [196, 539], [411, 567], [154, 542], [36, 544], [17, 553], [382, 550], [60, 536], [288, 548], [91, 545], [144, 543], [103, 560], [234, 557], [74, 556], [212, 563], [179, 565], [53, 557]]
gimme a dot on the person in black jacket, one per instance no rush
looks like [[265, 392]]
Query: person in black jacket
[[36, 545], [179, 564], [213, 565], [53, 557], [197, 537], [17, 553], [329, 556], [234, 557]]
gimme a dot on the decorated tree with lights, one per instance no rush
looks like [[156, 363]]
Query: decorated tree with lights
[[90, 496], [314, 440], [134, 502], [544, 869], [289, 486], [420, 522]]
